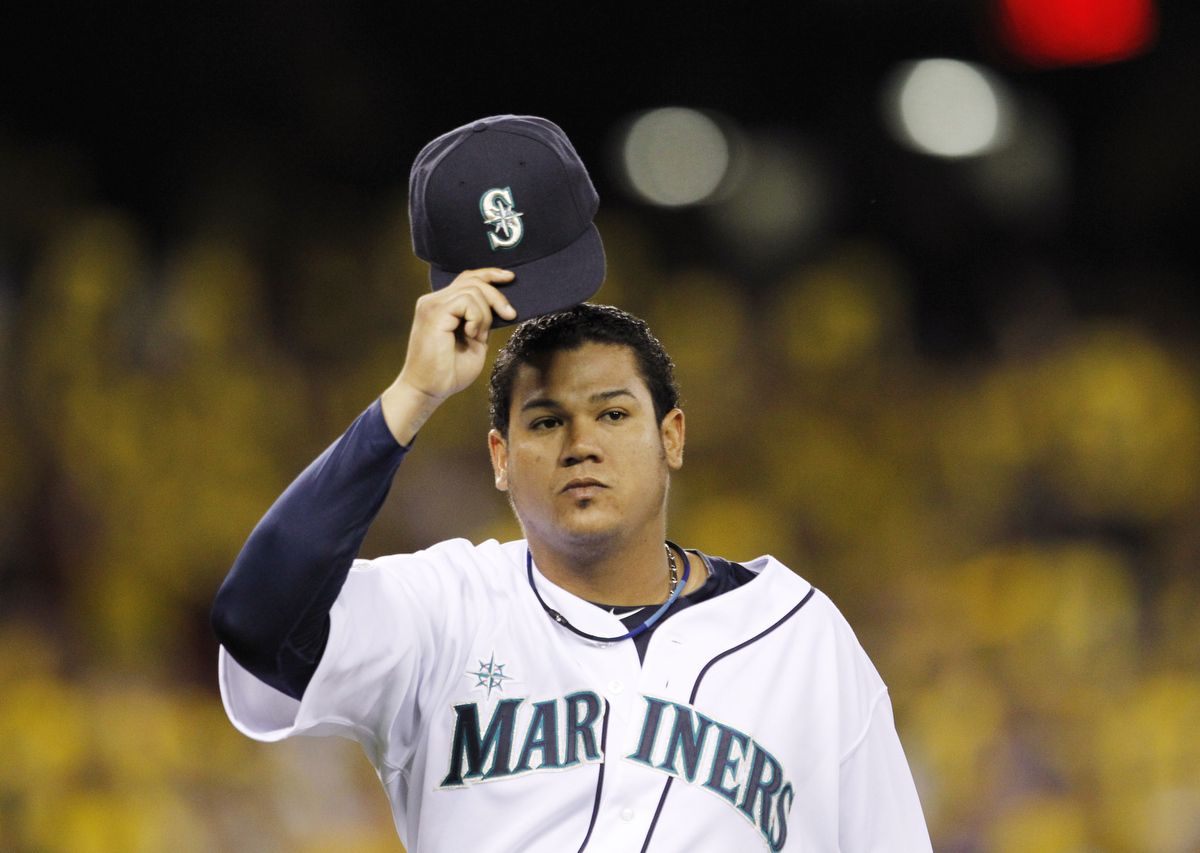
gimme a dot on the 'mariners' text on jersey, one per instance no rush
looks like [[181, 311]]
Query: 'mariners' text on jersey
[[675, 739]]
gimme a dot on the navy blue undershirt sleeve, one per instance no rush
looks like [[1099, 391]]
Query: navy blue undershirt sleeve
[[272, 612]]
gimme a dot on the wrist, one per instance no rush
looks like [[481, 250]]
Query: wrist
[[406, 408]]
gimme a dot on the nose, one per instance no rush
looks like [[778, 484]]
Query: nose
[[582, 443]]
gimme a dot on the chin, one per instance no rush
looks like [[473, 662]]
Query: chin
[[583, 532], [589, 530]]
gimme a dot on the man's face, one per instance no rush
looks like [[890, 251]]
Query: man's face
[[586, 461]]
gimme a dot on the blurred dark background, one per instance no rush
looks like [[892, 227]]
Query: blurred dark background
[[167, 111], [155, 106], [957, 389]]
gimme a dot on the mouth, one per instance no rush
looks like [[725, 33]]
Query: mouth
[[582, 488]]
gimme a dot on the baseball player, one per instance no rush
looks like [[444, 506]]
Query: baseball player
[[592, 686]]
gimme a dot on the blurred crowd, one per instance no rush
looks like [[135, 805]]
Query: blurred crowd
[[1013, 535]]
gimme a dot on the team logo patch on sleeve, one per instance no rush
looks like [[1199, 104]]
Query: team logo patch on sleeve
[[680, 741], [499, 212]]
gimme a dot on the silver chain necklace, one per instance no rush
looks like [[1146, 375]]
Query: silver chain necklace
[[676, 589]]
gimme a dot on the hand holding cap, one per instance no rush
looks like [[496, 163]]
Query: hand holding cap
[[509, 192]]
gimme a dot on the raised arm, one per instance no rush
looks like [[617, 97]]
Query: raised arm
[[272, 611]]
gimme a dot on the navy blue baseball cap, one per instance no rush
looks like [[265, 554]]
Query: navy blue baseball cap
[[509, 192]]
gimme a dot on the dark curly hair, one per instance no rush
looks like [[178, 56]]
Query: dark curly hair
[[540, 337]]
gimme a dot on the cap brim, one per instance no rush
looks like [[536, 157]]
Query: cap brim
[[550, 284]]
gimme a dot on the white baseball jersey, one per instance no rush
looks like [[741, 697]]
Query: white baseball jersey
[[755, 722]]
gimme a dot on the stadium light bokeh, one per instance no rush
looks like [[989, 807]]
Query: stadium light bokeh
[[777, 202], [674, 156], [947, 108], [1027, 181], [1050, 33]]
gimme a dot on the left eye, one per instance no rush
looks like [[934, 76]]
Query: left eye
[[613, 415]]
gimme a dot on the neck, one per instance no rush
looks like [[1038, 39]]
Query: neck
[[633, 571]]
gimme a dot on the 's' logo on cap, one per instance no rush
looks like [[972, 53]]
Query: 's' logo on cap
[[496, 205]]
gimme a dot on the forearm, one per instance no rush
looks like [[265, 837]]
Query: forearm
[[272, 611], [405, 409]]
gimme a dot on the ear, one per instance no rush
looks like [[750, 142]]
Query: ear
[[672, 430], [498, 448]]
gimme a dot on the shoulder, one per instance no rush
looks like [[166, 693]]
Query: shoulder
[[453, 555], [817, 613], [767, 577], [489, 568], [827, 635]]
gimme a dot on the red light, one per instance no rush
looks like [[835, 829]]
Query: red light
[[1049, 33]]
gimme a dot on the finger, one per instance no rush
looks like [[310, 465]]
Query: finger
[[495, 299], [498, 301], [485, 279], [476, 314], [478, 281], [450, 311], [490, 300], [484, 275], [492, 275]]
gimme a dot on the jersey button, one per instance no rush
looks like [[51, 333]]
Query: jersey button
[[627, 815], [615, 686]]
